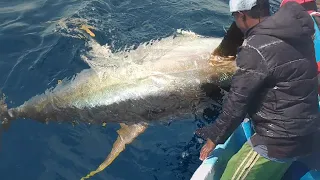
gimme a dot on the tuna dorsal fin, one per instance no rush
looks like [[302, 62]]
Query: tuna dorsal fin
[[127, 133]]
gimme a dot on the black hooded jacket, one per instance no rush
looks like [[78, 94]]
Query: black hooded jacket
[[275, 84]]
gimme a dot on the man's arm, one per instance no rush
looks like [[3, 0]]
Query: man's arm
[[251, 74]]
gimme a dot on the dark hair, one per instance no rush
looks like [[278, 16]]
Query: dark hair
[[262, 9]]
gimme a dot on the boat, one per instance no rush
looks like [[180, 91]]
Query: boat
[[213, 167]]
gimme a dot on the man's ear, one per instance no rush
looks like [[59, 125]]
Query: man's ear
[[242, 16]]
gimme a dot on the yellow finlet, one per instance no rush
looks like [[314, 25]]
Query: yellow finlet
[[87, 29], [126, 135]]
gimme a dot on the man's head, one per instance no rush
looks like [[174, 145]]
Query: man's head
[[248, 13], [309, 5]]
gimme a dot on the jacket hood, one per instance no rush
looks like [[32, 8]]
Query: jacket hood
[[291, 23]]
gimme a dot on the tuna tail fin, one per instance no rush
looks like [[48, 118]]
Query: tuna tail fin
[[126, 135], [4, 115]]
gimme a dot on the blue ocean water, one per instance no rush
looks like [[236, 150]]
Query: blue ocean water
[[35, 53]]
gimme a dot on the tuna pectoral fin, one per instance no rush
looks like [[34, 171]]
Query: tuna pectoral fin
[[126, 135]]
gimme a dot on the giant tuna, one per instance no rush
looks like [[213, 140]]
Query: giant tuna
[[162, 80]]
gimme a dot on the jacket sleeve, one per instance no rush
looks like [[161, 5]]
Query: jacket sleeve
[[249, 77]]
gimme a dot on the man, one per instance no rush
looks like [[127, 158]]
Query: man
[[234, 37], [276, 85]]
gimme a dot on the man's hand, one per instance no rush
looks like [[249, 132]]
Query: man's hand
[[207, 149]]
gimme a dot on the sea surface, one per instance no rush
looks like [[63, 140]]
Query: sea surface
[[40, 44]]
